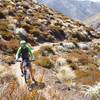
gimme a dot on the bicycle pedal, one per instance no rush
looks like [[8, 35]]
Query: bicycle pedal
[[22, 75]]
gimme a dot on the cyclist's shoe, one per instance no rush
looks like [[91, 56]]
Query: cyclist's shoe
[[34, 81], [22, 75]]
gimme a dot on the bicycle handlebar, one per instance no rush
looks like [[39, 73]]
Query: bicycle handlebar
[[18, 61], [22, 61]]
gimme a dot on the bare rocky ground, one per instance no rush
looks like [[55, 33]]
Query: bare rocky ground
[[67, 52]]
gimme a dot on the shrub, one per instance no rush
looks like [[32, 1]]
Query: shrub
[[37, 54], [39, 15], [45, 62], [8, 59], [2, 16], [79, 56], [7, 35], [65, 73], [78, 23], [73, 66], [50, 38], [12, 46], [35, 31], [58, 24], [12, 91], [27, 27], [4, 30], [69, 61], [91, 92], [7, 78], [3, 46], [9, 46], [3, 25], [46, 50]]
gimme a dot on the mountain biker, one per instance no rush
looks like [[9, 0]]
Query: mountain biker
[[25, 53]]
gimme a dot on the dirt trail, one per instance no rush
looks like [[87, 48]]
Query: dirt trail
[[17, 72]]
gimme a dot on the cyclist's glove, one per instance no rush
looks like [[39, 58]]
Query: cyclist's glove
[[33, 58]]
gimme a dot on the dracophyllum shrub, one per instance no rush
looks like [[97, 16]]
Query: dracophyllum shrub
[[91, 92], [65, 73]]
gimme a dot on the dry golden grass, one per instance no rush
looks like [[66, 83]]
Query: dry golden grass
[[4, 30], [79, 56], [40, 15], [55, 27], [27, 27], [7, 77], [37, 53], [9, 46], [48, 50], [7, 35], [44, 62], [35, 31], [13, 45], [12, 91], [8, 59], [88, 77], [3, 25], [3, 45]]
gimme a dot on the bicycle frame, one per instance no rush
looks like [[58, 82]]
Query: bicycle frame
[[26, 72]]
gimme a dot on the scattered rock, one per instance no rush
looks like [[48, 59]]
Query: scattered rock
[[83, 45]]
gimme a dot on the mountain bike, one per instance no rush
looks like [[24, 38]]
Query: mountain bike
[[26, 73], [28, 78]]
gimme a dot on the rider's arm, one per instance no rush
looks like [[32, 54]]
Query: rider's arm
[[31, 54], [18, 53]]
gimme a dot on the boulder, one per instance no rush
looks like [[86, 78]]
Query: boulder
[[35, 1], [94, 34], [82, 36], [5, 12], [18, 4], [83, 45], [69, 45], [29, 12], [19, 8], [22, 33]]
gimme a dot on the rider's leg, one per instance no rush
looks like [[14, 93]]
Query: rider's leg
[[21, 67], [32, 73], [29, 66]]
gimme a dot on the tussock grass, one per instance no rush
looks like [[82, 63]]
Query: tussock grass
[[92, 92]]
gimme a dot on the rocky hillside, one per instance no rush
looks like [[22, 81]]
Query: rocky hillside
[[93, 21], [67, 52], [77, 9], [37, 24]]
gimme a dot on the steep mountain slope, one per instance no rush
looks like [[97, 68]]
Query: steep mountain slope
[[93, 21], [77, 9], [67, 52], [38, 24]]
